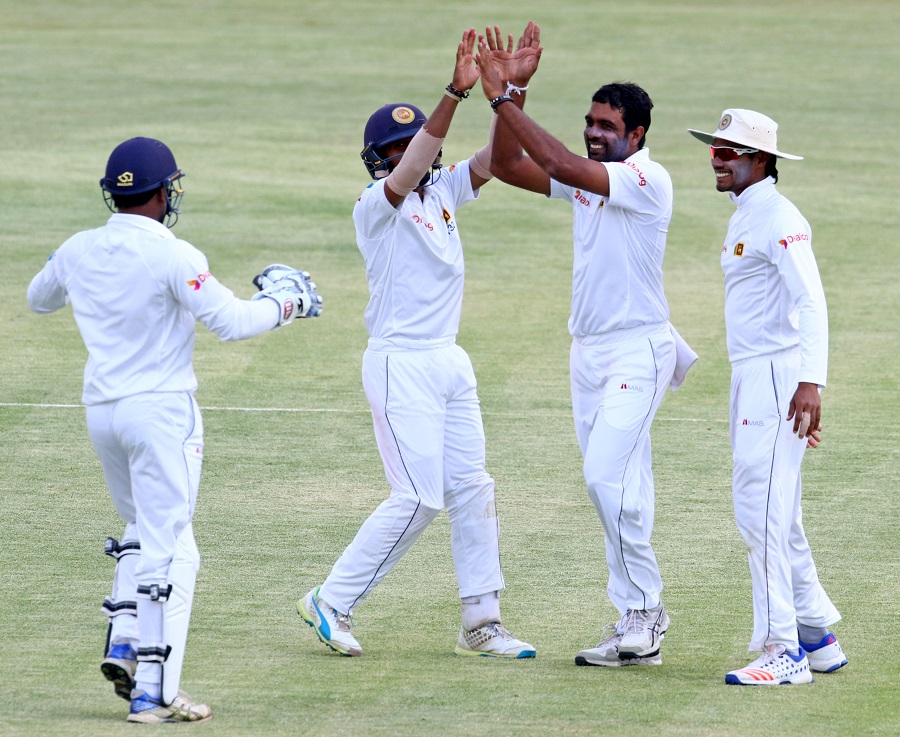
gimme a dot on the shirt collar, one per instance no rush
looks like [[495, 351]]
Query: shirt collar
[[141, 222], [753, 192], [641, 153]]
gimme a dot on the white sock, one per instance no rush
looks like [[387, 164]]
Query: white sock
[[153, 690]]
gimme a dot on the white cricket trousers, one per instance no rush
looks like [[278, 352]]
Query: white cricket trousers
[[618, 382], [766, 489], [151, 449], [429, 431]]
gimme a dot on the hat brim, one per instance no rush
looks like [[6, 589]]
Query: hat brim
[[708, 138]]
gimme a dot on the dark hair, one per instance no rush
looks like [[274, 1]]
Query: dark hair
[[633, 102], [126, 201]]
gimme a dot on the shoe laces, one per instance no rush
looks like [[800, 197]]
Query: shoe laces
[[609, 632], [771, 653], [344, 621], [495, 629], [633, 622]]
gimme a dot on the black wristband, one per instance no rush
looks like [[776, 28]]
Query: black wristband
[[498, 101], [458, 94]]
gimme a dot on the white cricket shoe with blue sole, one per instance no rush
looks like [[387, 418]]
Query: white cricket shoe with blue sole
[[492, 640], [331, 626]]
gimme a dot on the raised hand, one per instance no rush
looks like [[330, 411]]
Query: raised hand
[[489, 67], [465, 75], [520, 65]]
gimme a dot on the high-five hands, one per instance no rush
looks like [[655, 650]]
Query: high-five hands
[[516, 67], [465, 75]]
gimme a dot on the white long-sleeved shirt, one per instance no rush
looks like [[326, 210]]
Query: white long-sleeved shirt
[[136, 292], [773, 293], [620, 241]]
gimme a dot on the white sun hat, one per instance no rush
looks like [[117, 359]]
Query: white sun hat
[[746, 128]]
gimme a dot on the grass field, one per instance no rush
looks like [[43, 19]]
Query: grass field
[[263, 104]]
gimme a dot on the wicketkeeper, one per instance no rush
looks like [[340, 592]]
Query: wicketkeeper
[[136, 293]]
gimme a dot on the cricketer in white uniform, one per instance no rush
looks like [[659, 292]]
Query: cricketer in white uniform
[[624, 351], [136, 292], [420, 384], [776, 323]]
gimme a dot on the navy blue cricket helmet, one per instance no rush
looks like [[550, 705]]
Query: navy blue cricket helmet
[[141, 165], [390, 123]]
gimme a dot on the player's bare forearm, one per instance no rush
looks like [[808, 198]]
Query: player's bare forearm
[[439, 121], [508, 162], [543, 149]]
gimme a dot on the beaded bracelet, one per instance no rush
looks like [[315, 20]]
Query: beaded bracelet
[[451, 91]]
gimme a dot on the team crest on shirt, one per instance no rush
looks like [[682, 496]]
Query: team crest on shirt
[[739, 249], [451, 226]]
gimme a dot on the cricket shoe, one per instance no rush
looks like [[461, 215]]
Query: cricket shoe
[[607, 652], [642, 631], [145, 710], [826, 655], [492, 640], [119, 667], [775, 667], [332, 627]]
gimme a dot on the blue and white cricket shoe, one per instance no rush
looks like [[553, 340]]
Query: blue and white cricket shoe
[[145, 710], [119, 667], [775, 667], [332, 627], [826, 655]]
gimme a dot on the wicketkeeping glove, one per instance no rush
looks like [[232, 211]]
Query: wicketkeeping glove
[[273, 273], [295, 293]]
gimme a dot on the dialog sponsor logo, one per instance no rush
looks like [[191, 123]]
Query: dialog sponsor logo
[[198, 282]]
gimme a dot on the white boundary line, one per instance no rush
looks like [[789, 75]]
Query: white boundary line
[[325, 410]]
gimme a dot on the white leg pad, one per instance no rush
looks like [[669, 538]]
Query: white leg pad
[[121, 605], [164, 613]]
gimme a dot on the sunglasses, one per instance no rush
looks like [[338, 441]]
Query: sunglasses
[[728, 153]]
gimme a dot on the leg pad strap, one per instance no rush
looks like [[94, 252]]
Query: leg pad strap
[[114, 549], [155, 591], [154, 654]]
